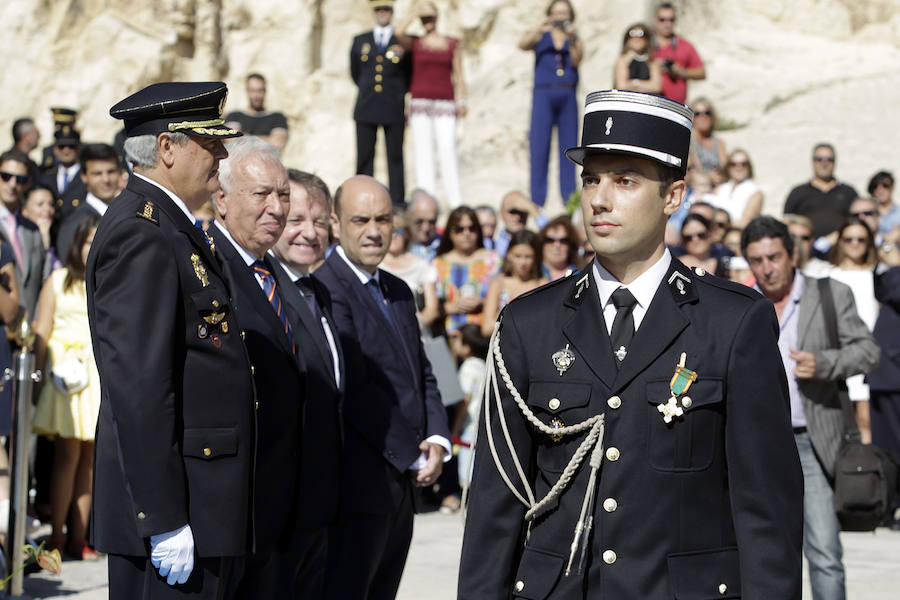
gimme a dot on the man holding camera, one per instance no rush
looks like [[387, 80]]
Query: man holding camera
[[680, 61]]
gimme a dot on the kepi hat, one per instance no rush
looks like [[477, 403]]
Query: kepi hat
[[636, 124], [62, 115], [189, 107], [66, 135], [373, 4]]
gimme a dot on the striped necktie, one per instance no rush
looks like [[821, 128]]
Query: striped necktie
[[270, 287]]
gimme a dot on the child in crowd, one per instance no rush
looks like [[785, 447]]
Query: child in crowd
[[470, 349]]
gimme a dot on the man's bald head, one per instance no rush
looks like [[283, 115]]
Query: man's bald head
[[365, 215], [423, 216]]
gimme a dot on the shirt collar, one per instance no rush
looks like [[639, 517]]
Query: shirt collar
[[387, 29], [643, 288], [796, 287], [363, 276], [178, 202], [248, 257], [70, 171], [96, 203], [4, 211], [294, 275]]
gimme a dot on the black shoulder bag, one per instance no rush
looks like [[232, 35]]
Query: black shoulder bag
[[865, 476]]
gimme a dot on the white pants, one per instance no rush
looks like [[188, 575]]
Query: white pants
[[428, 130]]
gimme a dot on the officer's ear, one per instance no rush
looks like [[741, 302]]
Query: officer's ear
[[674, 196], [165, 149]]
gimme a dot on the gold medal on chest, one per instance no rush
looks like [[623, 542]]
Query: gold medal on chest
[[563, 359], [556, 423], [200, 270], [679, 385]]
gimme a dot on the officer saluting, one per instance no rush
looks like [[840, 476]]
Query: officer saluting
[[174, 447], [641, 445]]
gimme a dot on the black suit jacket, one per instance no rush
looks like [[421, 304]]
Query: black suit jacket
[[67, 228], [382, 79], [71, 199], [320, 468], [279, 395], [712, 499], [174, 439], [36, 268], [886, 377], [391, 402]]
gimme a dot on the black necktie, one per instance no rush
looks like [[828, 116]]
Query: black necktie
[[623, 324], [378, 296]]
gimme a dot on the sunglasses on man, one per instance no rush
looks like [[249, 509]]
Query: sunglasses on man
[[20, 179]]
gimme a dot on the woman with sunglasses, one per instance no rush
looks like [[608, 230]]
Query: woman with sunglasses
[[707, 151], [464, 270], [695, 237], [415, 271], [437, 97], [853, 259], [559, 248], [740, 195], [521, 273], [636, 69]]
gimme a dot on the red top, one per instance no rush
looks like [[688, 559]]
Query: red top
[[432, 71], [681, 52]]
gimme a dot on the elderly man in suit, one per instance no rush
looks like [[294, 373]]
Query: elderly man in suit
[[20, 233], [395, 426], [251, 208], [381, 69], [173, 465], [640, 444], [301, 246], [815, 372]]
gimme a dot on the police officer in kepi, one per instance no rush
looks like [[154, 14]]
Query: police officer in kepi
[[641, 444], [175, 447], [381, 69]]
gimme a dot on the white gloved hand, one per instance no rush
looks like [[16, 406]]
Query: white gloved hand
[[172, 554]]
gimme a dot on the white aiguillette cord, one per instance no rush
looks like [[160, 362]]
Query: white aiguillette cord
[[593, 440]]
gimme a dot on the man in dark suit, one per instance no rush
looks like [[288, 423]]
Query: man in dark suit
[[100, 171], [816, 371], [62, 177], [381, 69], [21, 233], [301, 246], [395, 427], [251, 208], [173, 465], [630, 393]]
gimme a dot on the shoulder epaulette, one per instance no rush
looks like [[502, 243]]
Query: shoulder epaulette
[[548, 285], [149, 212], [725, 284]]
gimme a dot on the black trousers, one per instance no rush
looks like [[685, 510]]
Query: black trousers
[[365, 154], [135, 578], [367, 553], [296, 571]]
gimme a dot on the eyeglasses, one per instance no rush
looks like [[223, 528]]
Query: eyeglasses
[[427, 19], [823, 159], [67, 146], [740, 163], [885, 184], [551, 240], [863, 213], [666, 19], [463, 229], [20, 179], [636, 33], [802, 238], [421, 222], [687, 237], [853, 240], [702, 113]]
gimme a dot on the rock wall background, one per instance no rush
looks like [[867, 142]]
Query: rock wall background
[[783, 74]]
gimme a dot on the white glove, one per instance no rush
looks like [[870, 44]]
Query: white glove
[[172, 554]]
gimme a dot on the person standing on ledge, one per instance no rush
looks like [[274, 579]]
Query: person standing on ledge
[[629, 394]]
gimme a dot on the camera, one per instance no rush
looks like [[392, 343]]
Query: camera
[[560, 23], [667, 64]]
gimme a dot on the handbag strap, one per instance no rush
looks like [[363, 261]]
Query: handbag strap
[[831, 328]]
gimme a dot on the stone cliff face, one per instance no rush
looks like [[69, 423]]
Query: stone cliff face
[[783, 73]]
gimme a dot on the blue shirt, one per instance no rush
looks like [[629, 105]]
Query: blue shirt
[[553, 67], [890, 220]]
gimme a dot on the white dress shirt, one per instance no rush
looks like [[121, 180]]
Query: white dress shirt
[[383, 35], [96, 203], [65, 176], [643, 288]]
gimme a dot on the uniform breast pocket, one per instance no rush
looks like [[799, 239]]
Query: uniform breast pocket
[[558, 404], [688, 442]]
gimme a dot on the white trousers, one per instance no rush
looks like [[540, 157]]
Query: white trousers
[[428, 131]]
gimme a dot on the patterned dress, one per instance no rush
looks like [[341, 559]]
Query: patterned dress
[[464, 280]]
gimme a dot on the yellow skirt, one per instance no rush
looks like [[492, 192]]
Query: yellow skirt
[[68, 415]]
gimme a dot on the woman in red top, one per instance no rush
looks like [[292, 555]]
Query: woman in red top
[[438, 95]]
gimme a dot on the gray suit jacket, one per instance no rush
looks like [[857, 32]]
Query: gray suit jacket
[[32, 273], [858, 353]]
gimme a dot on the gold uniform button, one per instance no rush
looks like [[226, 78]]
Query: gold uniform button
[[141, 516], [379, 58], [610, 505], [612, 453], [609, 557], [377, 77], [520, 585], [379, 68], [378, 87], [207, 452], [699, 271], [215, 303], [722, 589], [614, 402], [75, 202], [686, 402], [553, 404]]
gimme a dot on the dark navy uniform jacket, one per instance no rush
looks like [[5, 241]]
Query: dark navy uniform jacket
[[175, 437], [382, 78], [708, 506]]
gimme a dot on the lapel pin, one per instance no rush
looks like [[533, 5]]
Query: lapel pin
[[556, 424], [563, 359], [199, 270], [621, 353]]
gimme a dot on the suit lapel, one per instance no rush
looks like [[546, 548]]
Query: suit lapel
[[809, 306], [300, 313], [586, 329]]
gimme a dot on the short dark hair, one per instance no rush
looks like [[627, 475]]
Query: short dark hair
[[470, 335], [255, 76], [824, 145], [692, 217], [313, 184], [453, 220], [878, 178], [91, 152], [766, 227], [10, 155], [21, 127], [39, 187], [528, 238], [667, 176], [666, 5]]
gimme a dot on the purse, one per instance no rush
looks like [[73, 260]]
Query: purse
[[865, 476], [70, 376]]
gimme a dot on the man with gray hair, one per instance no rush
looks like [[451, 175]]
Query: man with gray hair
[[423, 216], [251, 209], [174, 454]]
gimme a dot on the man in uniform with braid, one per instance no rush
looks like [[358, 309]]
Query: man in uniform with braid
[[635, 441]]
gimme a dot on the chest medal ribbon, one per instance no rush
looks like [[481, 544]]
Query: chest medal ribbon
[[679, 385]]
